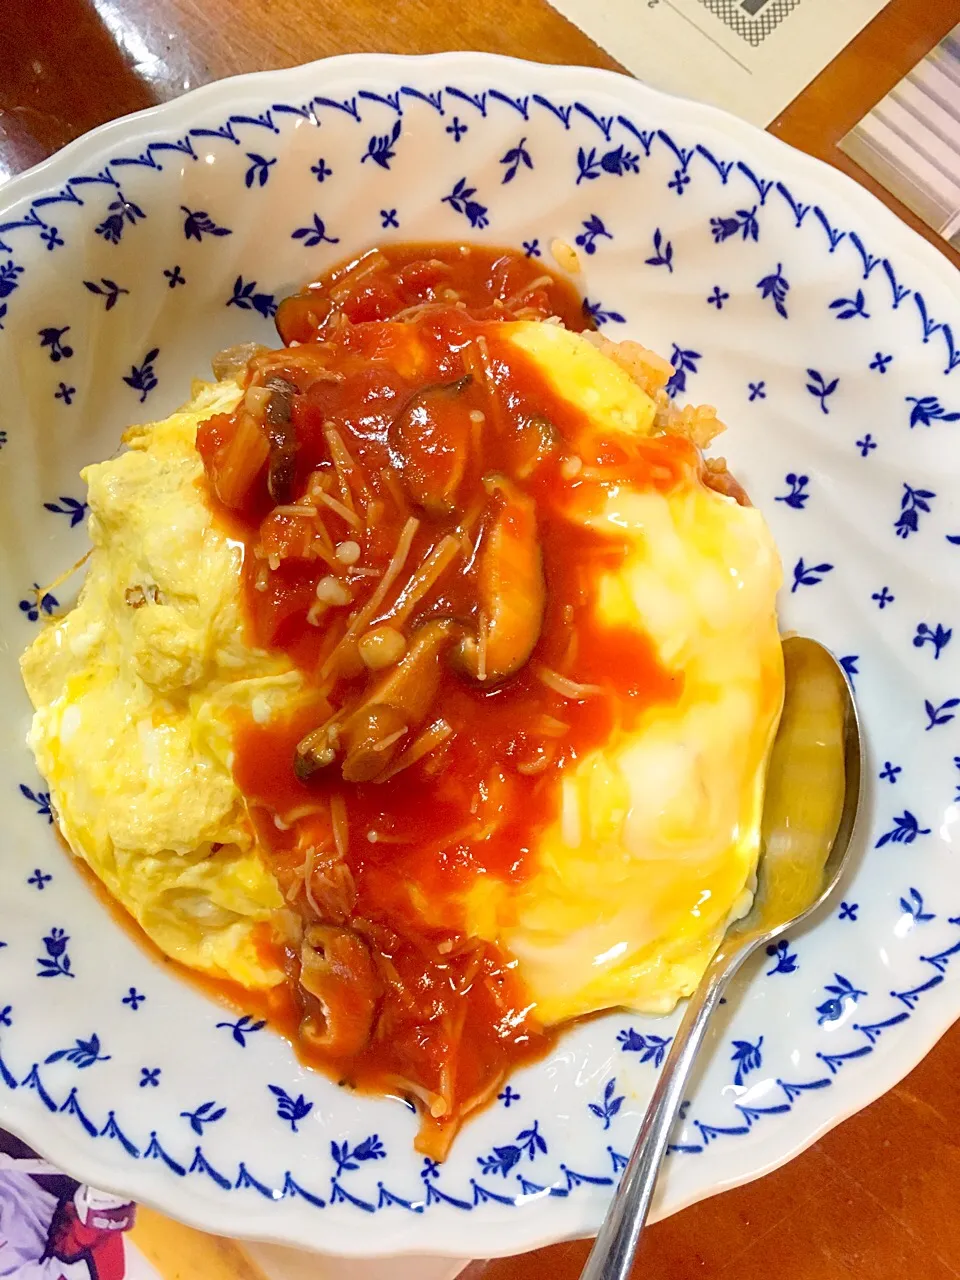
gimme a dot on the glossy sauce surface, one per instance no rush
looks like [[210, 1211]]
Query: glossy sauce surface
[[444, 423]]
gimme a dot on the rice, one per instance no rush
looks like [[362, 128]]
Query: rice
[[565, 256], [699, 423]]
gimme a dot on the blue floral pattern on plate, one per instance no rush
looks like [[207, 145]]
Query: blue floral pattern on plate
[[827, 337]]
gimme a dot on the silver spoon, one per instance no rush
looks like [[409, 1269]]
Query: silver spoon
[[809, 812]]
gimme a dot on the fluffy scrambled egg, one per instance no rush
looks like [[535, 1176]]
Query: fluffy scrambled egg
[[656, 843], [134, 691]]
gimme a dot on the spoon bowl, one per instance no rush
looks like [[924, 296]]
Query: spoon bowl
[[811, 799], [810, 811]]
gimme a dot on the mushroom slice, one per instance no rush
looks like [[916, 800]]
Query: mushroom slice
[[337, 970], [372, 731], [429, 440], [233, 360], [511, 588], [371, 741], [400, 699], [283, 438]]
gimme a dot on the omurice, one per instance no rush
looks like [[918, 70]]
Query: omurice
[[423, 677]]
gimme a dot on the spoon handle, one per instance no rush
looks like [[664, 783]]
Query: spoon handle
[[612, 1254]]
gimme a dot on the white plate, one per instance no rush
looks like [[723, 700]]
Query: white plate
[[827, 334]]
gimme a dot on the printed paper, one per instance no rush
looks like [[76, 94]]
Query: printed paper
[[750, 56]]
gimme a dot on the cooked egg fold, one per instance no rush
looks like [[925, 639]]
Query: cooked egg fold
[[134, 691]]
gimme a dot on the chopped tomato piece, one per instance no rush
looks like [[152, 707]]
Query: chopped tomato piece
[[416, 281], [278, 612], [375, 299], [235, 458], [287, 536], [212, 435]]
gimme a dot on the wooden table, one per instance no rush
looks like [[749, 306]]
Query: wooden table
[[878, 1197]]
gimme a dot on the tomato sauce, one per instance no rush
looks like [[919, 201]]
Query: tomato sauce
[[434, 430]]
